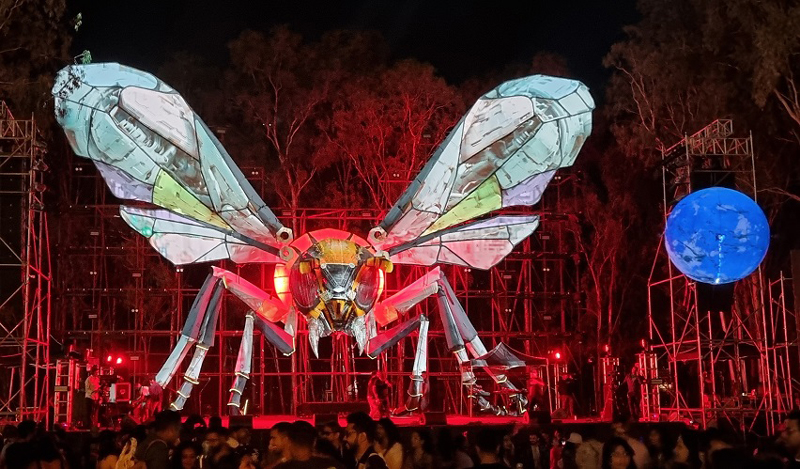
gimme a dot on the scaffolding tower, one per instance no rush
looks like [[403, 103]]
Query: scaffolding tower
[[703, 363], [25, 267], [119, 295]]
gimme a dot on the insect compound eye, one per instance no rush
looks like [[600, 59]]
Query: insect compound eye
[[304, 286], [367, 286]]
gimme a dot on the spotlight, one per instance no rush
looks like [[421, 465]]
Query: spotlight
[[109, 358], [119, 360], [557, 355]]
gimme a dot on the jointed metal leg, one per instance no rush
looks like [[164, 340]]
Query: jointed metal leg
[[190, 333], [205, 342], [243, 363], [201, 324], [416, 388], [453, 313], [380, 342]]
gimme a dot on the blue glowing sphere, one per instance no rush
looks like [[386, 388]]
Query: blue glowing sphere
[[717, 235]]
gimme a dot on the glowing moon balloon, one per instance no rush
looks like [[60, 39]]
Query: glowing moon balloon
[[717, 235]]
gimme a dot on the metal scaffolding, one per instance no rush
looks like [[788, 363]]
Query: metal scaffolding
[[25, 267], [707, 362], [119, 295]]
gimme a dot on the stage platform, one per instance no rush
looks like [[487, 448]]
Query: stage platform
[[261, 422]]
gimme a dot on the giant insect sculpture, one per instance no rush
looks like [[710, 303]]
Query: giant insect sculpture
[[150, 147]]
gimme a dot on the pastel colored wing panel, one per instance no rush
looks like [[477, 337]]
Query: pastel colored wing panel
[[149, 145], [502, 153], [183, 241], [479, 245]]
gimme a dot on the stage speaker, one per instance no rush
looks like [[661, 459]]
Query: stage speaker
[[540, 417], [434, 418], [119, 393], [322, 419], [240, 421]]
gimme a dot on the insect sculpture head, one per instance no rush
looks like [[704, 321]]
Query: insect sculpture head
[[335, 277]]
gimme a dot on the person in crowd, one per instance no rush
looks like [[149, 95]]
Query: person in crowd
[[302, 436], [532, 453], [556, 447], [790, 438], [387, 443], [659, 447], [617, 454], [360, 438], [219, 454], [107, 450], [23, 433], [242, 437], [487, 445], [590, 452], [569, 454], [330, 442], [232, 441], [452, 454], [462, 457], [193, 424], [215, 422], [732, 458], [278, 450], [40, 453], [687, 451], [154, 450], [622, 428], [420, 455], [186, 456], [507, 451]]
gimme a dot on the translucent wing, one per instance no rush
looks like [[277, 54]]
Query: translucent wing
[[479, 244], [502, 153], [182, 240], [150, 146]]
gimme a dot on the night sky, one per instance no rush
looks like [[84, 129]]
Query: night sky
[[460, 38]]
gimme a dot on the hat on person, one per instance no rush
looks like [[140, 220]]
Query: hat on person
[[574, 438]]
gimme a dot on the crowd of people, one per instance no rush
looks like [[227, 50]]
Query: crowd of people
[[365, 443]]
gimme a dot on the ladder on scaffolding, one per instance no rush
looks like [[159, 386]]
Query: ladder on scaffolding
[[65, 389]]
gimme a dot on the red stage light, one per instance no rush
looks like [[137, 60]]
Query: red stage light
[[119, 360], [109, 358], [606, 348], [381, 282], [558, 355], [281, 280]]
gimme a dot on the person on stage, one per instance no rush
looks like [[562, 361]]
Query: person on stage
[[565, 397], [633, 382], [92, 392], [378, 391]]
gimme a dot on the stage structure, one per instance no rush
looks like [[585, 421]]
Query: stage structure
[[711, 358], [545, 118], [25, 267]]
